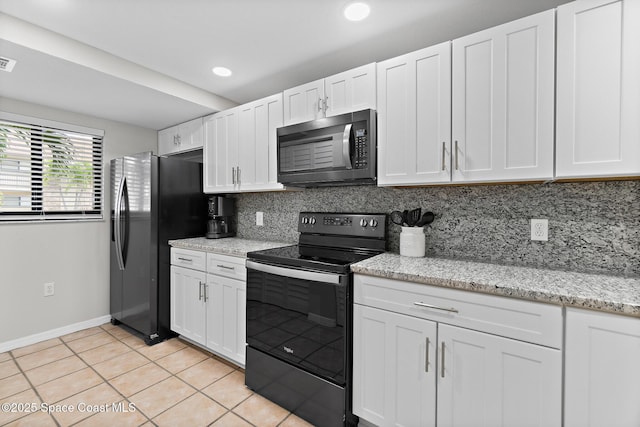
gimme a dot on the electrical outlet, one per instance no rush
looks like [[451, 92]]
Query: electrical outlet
[[48, 289], [540, 229], [259, 219]]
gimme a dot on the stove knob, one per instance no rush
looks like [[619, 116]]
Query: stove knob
[[312, 220], [305, 220], [363, 222], [373, 223]]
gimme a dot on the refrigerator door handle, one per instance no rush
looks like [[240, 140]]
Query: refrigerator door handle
[[118, 224]]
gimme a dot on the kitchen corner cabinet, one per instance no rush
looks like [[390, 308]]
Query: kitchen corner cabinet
[[241, 147], [427, 356], [602, 369], [208, 300], [183, 137], [503, 102], [598, 90], [349, 91], [414, 117]]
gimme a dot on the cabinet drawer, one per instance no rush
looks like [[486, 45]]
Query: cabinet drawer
[[528, 321], [190, 259], [227, 266]]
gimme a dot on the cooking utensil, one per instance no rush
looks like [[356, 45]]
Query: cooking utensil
[[405, 217], [413, 217], [427, 218], [397, 218]]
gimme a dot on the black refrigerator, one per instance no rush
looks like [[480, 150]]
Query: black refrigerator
[[153, 200]]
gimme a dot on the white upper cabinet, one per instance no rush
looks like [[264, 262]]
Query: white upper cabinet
[[341, 93], [183, 137], [241, 147], [503, 102], [257, 139], [414, 117], [598, 95], [221, 151], [303, 103]]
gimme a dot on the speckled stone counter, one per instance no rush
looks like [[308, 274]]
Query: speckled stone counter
[[597, 292], [227, 246]]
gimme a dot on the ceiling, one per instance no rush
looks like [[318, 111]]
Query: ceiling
[[148, 62]]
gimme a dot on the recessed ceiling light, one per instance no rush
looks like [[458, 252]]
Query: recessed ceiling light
[[221, 71], [356, 11]]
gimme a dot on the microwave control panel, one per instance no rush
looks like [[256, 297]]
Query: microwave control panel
[[361, 149]]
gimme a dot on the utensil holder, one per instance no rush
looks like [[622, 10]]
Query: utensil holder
[[412, 242]]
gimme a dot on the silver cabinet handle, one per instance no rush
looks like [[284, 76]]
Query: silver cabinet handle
[[456, 155], [426, 357], [435, 307], [443, 153], [225, 267], [233, 175], [326, 104], [185, 259], [206, 287], [346, 150], [200, 291], [319, 104], [442, 361], [238, 175]]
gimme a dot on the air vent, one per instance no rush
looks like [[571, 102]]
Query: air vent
[[7, 64]]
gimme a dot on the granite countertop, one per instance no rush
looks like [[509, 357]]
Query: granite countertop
[[599, 292], [228, 246]]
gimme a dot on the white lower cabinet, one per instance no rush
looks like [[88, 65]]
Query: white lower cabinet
[[208, 301], [417, 362], [188, 308], [602, 369]]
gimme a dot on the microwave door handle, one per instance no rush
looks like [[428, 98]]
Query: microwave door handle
[[346, 150]]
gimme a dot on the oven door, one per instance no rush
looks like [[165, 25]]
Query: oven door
[[299, 317]]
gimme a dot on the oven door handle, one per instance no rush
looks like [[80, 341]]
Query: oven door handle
[[314, 276]]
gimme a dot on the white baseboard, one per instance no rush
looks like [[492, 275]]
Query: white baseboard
[[53, 333]]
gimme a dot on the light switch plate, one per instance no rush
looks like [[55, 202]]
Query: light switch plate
[[259, 219], [540, 229]]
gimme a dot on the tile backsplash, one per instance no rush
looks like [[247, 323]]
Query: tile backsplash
[[593, 226]]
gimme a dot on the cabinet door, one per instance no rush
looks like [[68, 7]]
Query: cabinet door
[[414, 117], [257, 141], [598, 94], [486, 380], [226, 317], [167, 141], [303, 103], [503, 99], [221, 152], [351, 90], [394, 368], [602, 370], [188, 310], [191, 135]]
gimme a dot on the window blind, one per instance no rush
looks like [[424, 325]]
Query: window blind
[[49, 171]]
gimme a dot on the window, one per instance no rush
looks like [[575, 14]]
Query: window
[[48, 170]]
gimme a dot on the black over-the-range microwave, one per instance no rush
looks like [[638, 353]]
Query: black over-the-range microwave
[[338, 150]]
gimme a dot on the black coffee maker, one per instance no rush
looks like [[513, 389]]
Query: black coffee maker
[[221, 212]]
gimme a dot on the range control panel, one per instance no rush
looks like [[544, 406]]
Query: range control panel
[[346, 224]]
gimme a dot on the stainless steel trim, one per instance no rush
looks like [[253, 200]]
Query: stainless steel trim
[[315, 276], [426, 357], [442, 361], [225, 267], [118, 224], [435, 307], [457, 155], [346, 152]]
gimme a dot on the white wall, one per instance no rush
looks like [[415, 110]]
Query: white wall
[[73, 255]]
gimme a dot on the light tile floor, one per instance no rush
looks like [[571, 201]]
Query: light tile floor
[[105, 376]]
